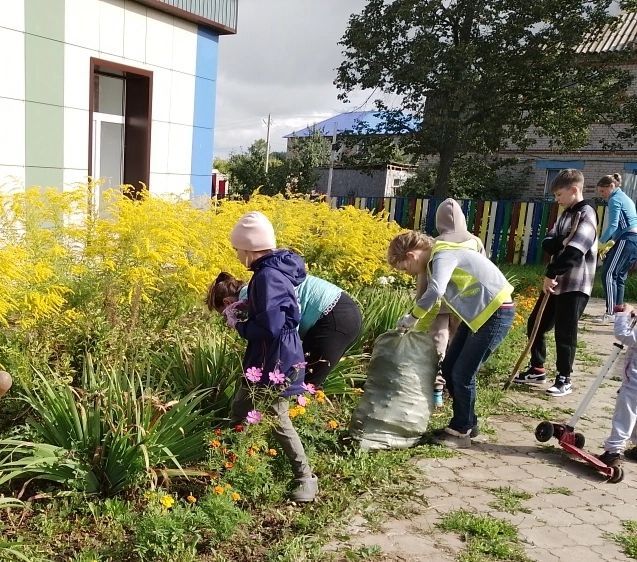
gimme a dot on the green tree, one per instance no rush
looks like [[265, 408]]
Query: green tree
[[474, 76], [294, 171]]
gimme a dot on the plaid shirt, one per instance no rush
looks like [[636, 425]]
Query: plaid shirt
[[579, 277]]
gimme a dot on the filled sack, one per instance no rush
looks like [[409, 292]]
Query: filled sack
[[394, 410]]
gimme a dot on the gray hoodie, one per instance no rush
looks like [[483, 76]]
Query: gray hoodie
[[452, 225]]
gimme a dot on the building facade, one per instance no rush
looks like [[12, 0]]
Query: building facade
[[119, 90]]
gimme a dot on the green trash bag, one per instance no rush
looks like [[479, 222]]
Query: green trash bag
[[394, 410]]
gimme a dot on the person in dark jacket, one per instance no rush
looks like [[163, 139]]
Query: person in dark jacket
[[330, 320], [274, 354]]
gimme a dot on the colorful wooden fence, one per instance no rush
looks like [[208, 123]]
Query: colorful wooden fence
[[512, 231]]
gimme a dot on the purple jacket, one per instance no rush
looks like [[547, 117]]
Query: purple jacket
[[273, 318]]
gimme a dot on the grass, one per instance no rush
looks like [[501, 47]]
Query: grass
[[487, 538], [627, 539], [559, 490], [510, 500]]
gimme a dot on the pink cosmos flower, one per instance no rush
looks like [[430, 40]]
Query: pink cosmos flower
[[309, 387], [254, 416], [277, 377], [302, 401], [253, 374]]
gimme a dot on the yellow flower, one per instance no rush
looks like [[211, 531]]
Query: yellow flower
[[228, 487], [294, 412], [228, 465], [235, 496], [219, 490], [167, 501], [320, 396], [332, 424], [215, 443], [191, 499], [273, 452]]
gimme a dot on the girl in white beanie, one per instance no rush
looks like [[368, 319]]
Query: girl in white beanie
[[274, 347]]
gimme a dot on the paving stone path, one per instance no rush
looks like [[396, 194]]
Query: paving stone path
[[558, 527]]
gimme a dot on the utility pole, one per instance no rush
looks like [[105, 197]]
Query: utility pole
[[331, 173], [267, 146]]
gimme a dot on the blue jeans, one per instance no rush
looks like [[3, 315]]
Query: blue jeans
[[616, 265], [466, 354]]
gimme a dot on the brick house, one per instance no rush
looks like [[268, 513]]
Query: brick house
[[594, 162]]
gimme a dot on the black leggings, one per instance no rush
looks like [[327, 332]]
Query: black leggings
[[326, 341]]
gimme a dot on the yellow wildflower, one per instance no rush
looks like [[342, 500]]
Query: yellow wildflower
[[320, 396], [219, 490], [215, 443], [191, 499], [167, 501], [332, 424], [273, 452], [235, 496]]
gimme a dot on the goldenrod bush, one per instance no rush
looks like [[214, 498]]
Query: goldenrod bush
[[70, 282]]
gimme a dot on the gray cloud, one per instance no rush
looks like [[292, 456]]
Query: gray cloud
[[282, 61]]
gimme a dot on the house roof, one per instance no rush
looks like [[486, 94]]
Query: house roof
[[343, 122], [620, 35], [218, 15]]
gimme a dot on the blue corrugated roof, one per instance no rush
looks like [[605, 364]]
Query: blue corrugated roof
[[343, 122]]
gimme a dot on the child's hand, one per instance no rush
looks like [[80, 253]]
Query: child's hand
[[549, 285], [407, 322], [234, 313]]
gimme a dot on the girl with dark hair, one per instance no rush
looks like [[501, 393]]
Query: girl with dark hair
[[622, 233], [330, 319]]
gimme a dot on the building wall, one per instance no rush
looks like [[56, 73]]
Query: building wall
[[44, 93], [353, 182]]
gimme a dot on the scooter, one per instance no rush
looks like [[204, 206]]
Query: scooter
[[573, 442]]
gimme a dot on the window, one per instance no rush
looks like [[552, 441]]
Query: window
[[119, 127], [551, 174]]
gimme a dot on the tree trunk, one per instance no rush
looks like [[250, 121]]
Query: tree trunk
[[441, 187]]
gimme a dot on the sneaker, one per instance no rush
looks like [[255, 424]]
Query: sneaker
[[604, 319], [305, 489], [453, 439], [609, 459], [531, 375], [631, 454], [561, 387]]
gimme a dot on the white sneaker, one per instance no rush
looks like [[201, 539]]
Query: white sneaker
[[560, 389], [604, 319]]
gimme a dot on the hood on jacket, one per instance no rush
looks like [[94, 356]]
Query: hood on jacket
[[451, 223], [286, 262]]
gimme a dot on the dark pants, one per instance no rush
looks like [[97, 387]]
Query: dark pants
[[562, 312], [466, 354], [326, 341], [617, 263]]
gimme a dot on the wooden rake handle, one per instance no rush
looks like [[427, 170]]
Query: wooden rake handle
[[531, 340]]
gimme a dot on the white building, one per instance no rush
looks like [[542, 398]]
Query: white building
[[121, 90]]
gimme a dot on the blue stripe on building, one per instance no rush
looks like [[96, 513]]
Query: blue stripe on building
[[204, 115]]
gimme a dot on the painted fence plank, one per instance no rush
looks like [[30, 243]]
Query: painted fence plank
[[512, 231]]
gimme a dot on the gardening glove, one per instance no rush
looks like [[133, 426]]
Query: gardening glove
[[234, 313], [407, 322], [604, 248]]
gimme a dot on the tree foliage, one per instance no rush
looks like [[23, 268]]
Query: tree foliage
[[293, 171], [474, 76]]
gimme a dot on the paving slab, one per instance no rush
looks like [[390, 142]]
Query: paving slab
[[572, 512]]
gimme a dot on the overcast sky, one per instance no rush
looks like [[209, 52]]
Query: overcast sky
[[281, 61]]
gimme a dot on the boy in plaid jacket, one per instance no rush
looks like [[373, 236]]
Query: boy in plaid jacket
[[572, 245]]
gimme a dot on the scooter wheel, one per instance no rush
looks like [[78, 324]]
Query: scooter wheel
[[580, 440], [544, 431], [617, 475]]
